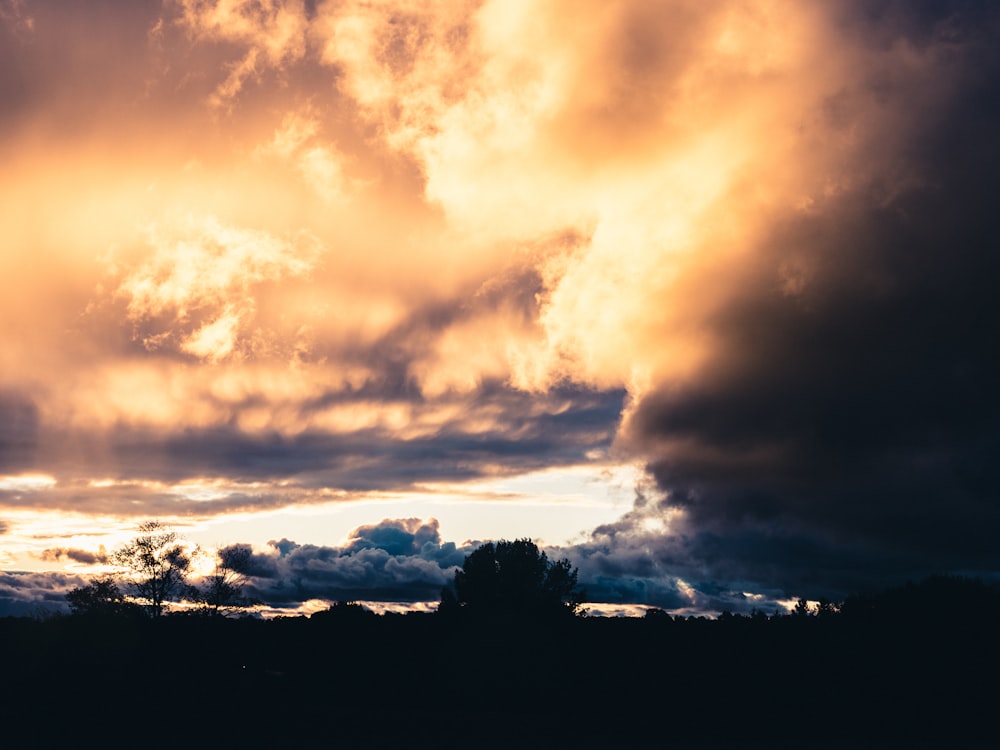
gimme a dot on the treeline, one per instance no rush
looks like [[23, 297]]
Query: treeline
[[509, 658]]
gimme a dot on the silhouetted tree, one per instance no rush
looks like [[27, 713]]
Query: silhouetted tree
[[516, 578], [155, 565], [99, 597], [826, 608], [222, 592]]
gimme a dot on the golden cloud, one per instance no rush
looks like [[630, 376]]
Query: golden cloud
[[198, 284]]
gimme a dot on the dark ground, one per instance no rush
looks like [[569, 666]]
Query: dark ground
[[352, 679]]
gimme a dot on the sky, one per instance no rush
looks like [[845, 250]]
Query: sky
[[700, 296]]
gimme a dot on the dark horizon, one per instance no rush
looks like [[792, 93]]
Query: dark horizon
[[887, 671]]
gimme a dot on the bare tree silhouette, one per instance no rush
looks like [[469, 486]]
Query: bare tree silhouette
[[221, 593], [155, 566]]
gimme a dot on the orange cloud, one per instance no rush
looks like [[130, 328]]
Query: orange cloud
[[273, 33], [199, 282]]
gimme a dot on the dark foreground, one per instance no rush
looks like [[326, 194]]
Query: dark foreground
[[351, 679]]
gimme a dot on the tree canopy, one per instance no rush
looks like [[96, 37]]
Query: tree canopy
[[513, 578]]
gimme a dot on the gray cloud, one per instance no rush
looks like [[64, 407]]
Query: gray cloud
[[525, 432], [394, 560], [55, 554], [30, 594]]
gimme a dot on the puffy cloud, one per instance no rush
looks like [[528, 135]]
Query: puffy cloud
[[33, 594], [403, 536], [394, 560]]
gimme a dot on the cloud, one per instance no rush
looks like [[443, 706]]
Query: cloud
[[18, 431], [402, 536], [272, 33], [402, 65], [388, 246], [835, 434], [297, 140], [394, 560], [87, 557], [31, 594], [195, 290], [14, 13], [405, 560], [783, 247]]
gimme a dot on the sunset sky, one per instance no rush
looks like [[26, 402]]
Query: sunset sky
[[700, 295]]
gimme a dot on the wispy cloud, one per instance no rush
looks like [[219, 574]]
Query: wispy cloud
[[271, 34]]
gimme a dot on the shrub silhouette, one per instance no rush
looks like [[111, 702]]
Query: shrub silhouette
[[100, 598]]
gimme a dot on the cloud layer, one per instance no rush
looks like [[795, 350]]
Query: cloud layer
[[285, 253]]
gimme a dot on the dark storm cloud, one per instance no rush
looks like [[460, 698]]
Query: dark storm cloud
[[625, 563], [631, 590], [844, 436]]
